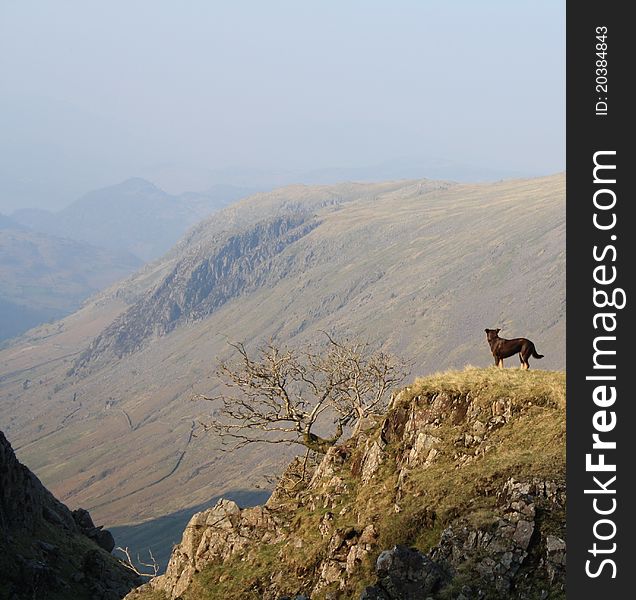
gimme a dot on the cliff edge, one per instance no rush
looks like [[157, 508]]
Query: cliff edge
[[457, 492]]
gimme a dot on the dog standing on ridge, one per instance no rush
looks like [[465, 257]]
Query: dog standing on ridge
[[502, 348]]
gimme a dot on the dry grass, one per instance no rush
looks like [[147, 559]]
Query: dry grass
[[531, 444], [493, 383]]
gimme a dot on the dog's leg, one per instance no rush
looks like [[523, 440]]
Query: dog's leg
[[500, 363], [524, 356]]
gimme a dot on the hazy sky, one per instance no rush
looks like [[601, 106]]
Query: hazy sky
[[94, 92]]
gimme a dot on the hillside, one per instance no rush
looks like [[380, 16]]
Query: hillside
[[51, 262], [135, 216], [44, 277], [99, 403], [457, 492], [48, 551]]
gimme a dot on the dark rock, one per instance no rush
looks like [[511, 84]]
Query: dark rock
[[56, 517], [43, 546], [24, 501], [93, 564], [78, 576], [47, 548], [105, 540], [504, 553], [35, 576], [83, 519], [405, 574], [102, 537], [373, 592]]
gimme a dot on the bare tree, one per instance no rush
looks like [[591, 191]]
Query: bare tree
[[283, 396], [129, 564]]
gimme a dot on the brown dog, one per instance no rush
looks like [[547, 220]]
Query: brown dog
[[501, 348]]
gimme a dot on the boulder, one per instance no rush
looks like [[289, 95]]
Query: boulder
[[102, 537], [404, 574]]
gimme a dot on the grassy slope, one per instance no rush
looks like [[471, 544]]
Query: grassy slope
[[531, 444]]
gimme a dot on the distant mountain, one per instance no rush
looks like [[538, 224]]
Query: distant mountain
[[36, 219], [43, 277], [135, 216], [100, 403]]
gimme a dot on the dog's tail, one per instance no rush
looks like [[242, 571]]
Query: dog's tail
[[535, 353]]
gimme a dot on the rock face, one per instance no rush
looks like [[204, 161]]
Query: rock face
[[437, 499], [215, 535], [405, 574], [500, 550], [199, 284], [47, 551], [102, 537], [498, 553]]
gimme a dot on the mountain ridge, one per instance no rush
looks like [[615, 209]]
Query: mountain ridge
[[112, 230], [134, 215], [238, 257]]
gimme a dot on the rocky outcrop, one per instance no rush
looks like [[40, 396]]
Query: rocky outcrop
[[102, 537], [47, 551], [405, 574], [215, 535], [436, 500], [200, 283], [486, 561], [24, 501]]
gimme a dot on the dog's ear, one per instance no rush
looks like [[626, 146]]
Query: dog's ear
[[486, 330], [497, 330]]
